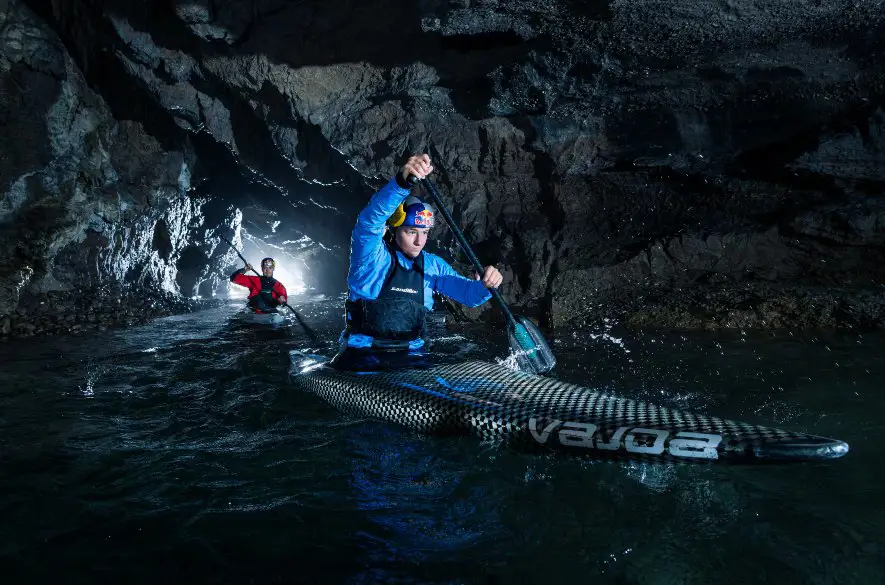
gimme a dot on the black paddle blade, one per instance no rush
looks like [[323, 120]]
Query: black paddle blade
[[533, 355]]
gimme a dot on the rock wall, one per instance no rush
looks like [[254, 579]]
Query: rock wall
[[92, 210], [603, 153]]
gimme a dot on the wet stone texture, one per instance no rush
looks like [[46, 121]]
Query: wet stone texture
[[696, 164], [87, 202], [81, 310]]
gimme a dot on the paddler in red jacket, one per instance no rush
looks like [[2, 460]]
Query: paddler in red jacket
[[265, 293]]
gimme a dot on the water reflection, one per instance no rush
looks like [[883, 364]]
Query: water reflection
[[418, 497], [178, 452]]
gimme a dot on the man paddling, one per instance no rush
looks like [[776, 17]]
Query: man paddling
[[265, 292], [391, 279]]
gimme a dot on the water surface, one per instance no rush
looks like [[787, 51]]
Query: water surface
[[179, 452]]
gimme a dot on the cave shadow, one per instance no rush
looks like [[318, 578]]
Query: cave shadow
[[386, 34]]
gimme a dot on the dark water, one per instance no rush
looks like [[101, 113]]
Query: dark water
[[179, 453]]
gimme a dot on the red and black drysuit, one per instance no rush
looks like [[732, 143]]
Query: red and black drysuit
[[264, 291]]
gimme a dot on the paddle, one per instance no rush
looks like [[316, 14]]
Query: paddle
[[308, 330], [533, 355]]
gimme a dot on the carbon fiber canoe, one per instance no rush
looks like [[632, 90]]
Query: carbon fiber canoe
[[536, 414]]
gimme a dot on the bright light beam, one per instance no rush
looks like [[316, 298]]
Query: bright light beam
[[286, 272]]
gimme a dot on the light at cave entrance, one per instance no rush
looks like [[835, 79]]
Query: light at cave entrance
[[286, 271]]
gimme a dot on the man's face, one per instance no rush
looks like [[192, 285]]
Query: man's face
[[411, 240], [267, 270]]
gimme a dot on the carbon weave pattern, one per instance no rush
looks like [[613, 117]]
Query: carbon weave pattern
[[495, 403]]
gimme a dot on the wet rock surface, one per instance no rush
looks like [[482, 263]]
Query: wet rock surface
[[77, 311], [86, 201], [593, 150], [751, 306]]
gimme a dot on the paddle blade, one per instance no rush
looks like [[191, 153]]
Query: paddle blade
[[533, 355]]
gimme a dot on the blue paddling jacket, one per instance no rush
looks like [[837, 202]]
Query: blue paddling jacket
[[371, 267]]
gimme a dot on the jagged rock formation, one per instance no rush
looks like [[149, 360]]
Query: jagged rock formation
[[89, 204], [670, 162]]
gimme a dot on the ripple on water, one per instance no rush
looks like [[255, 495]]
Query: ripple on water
[[183, 441]]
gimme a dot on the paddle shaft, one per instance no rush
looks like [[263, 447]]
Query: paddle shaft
[[465, 245], [234, 248], [243, 259]]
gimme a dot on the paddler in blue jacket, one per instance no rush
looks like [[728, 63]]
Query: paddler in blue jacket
[[391, 279]]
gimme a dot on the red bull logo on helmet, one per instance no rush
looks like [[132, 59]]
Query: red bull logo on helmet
[[424, 218]]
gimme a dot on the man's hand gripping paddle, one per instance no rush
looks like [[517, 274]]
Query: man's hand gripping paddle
[[533, 355]]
